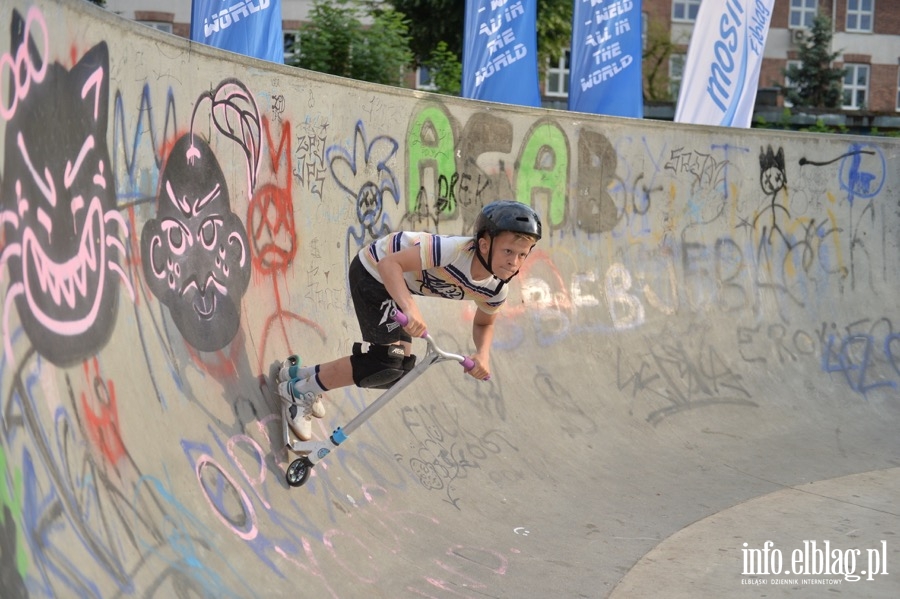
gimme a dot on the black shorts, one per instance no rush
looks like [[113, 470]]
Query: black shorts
[[373, 305]]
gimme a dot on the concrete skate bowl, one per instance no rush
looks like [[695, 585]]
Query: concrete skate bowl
[[700, 357]]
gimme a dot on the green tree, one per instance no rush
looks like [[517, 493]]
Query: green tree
[[324, 43], [335, 41], [815, 83], [431, 22], [658, 49], [445, 70], [554, 29], [384, 55]]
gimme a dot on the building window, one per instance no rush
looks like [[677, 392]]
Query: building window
[[803, 12], [424, 80], [290, 49], [685, 10], [788, 84], [557, 85], [676, 72], [158, 25], [856, 86], [860, 14]]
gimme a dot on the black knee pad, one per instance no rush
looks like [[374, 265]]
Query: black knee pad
[[377, 368], [409, 362]]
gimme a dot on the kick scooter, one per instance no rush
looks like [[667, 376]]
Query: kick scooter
[[312, 452]]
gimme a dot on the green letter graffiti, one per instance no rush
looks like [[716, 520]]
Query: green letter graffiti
[[544, 170], [430, 145]]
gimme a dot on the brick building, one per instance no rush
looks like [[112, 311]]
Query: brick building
[[866, 36]]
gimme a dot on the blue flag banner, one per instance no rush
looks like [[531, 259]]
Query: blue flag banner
[[249, 27], [721, 70], [605, 73], [500, 52]]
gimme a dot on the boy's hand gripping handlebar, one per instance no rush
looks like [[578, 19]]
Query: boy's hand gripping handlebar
[[467, 362]]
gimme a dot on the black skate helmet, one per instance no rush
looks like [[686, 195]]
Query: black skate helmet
[[505, 215]]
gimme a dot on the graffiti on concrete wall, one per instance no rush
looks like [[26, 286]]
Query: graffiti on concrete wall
[[195, 252], [646, 239], [365, 175], [62, 232]]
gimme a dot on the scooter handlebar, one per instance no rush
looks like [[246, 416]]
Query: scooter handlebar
[[401, 319]]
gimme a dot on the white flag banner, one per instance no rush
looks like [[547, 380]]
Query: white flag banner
[[721, 71]]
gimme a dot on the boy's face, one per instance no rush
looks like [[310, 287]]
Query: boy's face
[[510, 251]]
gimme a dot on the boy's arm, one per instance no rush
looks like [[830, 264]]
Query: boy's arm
[[391, 269], [482, 335]]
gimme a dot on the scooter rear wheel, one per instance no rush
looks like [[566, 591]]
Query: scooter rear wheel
[[298, 472]]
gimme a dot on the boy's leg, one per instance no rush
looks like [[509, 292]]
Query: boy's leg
[[331, 375], [372, 303], [335, 374], [320, 377], [381, 364]]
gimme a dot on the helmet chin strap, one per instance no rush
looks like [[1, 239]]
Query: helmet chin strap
[[487, 265]]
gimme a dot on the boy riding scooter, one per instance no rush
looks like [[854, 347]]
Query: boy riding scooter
[[385, 276]]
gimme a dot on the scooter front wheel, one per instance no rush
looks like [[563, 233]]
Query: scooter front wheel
[[298, 472]]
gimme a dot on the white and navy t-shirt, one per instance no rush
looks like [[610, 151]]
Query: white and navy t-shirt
[[446, 268]]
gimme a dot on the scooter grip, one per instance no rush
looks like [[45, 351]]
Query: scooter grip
[[399, 317], [468, 364]]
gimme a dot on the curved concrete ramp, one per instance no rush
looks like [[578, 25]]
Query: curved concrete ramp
[[706, 333], [831, 517]]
